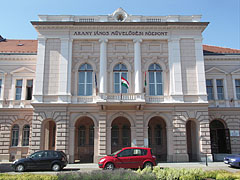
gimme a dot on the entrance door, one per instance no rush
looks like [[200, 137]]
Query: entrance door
[[84, 141], [121, 134], [220, 138], [157, 138], [192, 139], [49, 135]]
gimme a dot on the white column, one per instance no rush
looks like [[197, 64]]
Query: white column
[[103, 66], [234, 91], [215, 92], [226, 92], [137, 66], [200, 70], [69, 78], [176, 91], [71, 143], [64, 73], [38, 94]]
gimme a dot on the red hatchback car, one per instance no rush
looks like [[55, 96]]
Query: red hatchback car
[[130, 157]]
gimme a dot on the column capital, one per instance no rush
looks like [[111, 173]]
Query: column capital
[[65, 39], [175, 39], [41, 39], [137, 40], [198, 39], [103, 40]]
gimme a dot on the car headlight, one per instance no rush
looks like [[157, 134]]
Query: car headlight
[[102, 160], [232, 160]]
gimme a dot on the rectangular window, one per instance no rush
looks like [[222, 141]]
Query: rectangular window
[[29, 89], [0, 87], [237, 84], [209, 84], [220, 92], [18, 89]]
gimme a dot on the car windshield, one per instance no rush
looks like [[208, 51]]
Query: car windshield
[[115, 153]]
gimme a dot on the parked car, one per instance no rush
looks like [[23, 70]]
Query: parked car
[[232, 160], [47, 159], [130, 157]]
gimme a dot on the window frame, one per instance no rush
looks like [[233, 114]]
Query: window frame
[[24, 138], [237, 86], [212, 87], [155, 83], [120, 73], [2, 77], [15, 135], [85, 83], [20, 88], [27, 89], [220, 95]]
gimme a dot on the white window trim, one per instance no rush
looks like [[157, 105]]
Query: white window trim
[[24, 76], [129, 75], [214, 78], [165, 81], [234, 77], [2, 76], [77, 66]]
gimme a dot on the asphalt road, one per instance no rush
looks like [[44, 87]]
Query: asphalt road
[[6, 167]]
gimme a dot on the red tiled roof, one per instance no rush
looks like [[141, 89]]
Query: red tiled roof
[[30, 46], [222, 50], [18, 46]]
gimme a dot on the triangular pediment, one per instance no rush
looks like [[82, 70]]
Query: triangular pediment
[[215, 70], [236, 71], [22, 70]]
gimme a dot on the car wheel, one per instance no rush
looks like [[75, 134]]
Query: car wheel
[[20, 168], [56, 167], [148, 164], [109, 166]]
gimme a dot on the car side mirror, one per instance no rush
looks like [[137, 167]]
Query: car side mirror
[[116, 156]]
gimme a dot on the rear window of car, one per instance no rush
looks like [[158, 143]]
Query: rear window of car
[[55, 154], [139, 152]]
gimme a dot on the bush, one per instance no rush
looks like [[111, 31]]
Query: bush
[[27, 176], [106, 175]]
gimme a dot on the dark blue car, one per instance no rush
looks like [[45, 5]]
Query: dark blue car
[[47, 159], [233, 160]]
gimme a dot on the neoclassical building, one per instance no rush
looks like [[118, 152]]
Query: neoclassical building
[[63, 91]]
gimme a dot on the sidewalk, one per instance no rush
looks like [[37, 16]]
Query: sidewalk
[[211, 166], [6, 166]]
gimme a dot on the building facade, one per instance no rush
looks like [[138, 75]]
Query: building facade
[[64, 92]]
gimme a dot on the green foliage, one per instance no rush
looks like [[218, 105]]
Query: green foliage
[[27, 176], [106, 175]]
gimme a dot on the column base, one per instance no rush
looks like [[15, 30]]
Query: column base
[[177, 98], [180, 158], [206, 157], [4, 157]]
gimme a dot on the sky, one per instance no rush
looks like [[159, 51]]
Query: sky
[[223, 15]]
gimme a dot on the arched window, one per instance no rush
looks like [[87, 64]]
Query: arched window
[[15, 135], [115, 133], [158, 134], [91, 135], [85, 80], [155, 80], [81, 135], [25, 138], [126, 135], [120, 70]]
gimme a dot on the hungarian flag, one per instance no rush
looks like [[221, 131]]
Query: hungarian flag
[[124, 82]]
